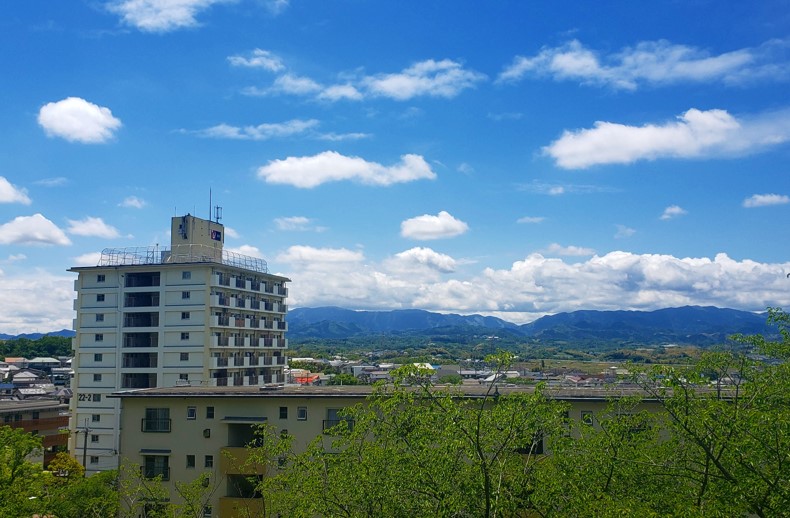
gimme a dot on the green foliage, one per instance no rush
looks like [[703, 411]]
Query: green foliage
[[451, 379], [344, 379], [53, 346]]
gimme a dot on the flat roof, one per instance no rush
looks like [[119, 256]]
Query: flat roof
[[362, 391]]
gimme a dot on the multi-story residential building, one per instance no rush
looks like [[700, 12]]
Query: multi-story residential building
[[190, 314], [200, 429], [47, 418]]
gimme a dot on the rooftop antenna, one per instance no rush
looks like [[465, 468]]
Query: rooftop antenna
[[209, 203], [217, 213]]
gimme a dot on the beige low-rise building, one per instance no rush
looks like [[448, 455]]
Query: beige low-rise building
[[180, 432]]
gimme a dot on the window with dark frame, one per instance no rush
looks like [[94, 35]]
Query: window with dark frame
[[190, 461], [99, 337], [100, 277], [191, 412], [301, 413], [208, 461], [185, 315], [184, 357], [209, 412], [100, 297], [283, 412]]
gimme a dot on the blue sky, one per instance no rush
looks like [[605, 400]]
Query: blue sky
[[508, 158]]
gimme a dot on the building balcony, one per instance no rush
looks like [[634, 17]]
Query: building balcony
[[218, 382], [232, 507], [219, 300], [220, 321], [219, 363], [219, 341], [236, 461]]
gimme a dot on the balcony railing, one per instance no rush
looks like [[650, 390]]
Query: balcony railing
[[153, 472], [182, 254], [156, 425]]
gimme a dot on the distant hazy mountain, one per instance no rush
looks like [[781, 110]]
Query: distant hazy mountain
[[334, 322], [686, 325], [35, 336]]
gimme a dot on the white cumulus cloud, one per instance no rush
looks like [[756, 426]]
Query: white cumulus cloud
[[427, 227], [32, 230], [92, 227], [423, 257], [78, 120], [763, 200], [531, 219], [161, 15], [330, 166], [132, 202], [89, 259], [248, 250], [297, 223], [673, 211], [10, 193], [695, 134]]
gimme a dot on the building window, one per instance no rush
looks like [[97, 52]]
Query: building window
[[99, 337], [97, 377], [100, 297], [94, 459], [156, 420], [183, 377], [94, 438], [186, 275], [209, 412], [35, 415], [185, 294], [283, 412], [184, 357], [301, 413], [587, 417], [100, 278], [156, 465], [95, 418], [190, 461], [191, 412], [209, 462], [99, 317], [185, 336], [185, 315], [97, 398], [97, 357]]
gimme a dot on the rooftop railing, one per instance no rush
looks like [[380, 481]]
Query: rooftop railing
[[181, 254]]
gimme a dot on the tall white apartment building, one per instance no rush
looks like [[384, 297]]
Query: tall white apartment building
[[191, 314]]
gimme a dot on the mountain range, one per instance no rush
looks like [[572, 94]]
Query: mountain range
[[691, 325]]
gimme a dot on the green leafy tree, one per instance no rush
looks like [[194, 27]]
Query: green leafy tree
[[417, 450]]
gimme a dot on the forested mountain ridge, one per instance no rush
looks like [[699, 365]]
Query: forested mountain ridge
[[693, 325]]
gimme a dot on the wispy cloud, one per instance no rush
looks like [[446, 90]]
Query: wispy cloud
[[258, 58], [77, 120], [624, 232], [650, 62], [51, 182], [557, 249], [531, 219], [695, 134], [430, 78], [263, 131], [311, 171], [765, 200], [427, 227], [297, 223]]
